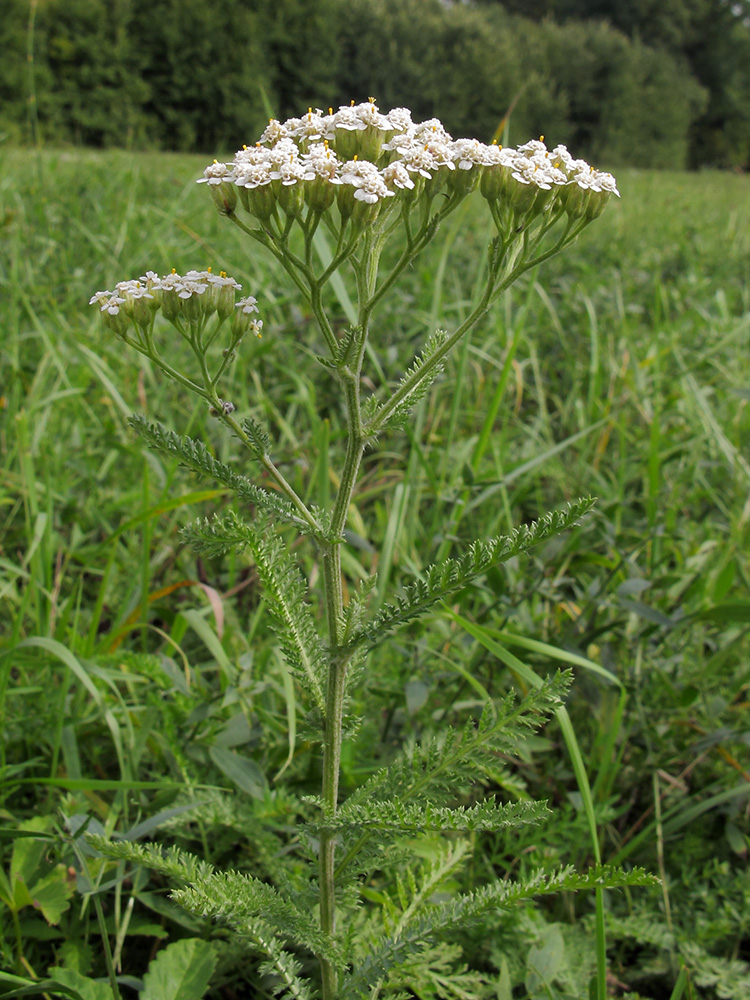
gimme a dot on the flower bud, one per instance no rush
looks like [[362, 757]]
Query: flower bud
[[219, 177], [291, 198]]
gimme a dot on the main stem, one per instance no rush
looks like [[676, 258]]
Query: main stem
[[338, 663], [339, 658]]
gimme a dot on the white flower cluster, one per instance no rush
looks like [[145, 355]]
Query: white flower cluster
[[193, 296], [359, 155]]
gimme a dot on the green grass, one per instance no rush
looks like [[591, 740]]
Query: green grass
[[620, 369]]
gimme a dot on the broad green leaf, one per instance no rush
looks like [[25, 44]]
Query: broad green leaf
[[181, 971], [27, 851], [544, 961], [51, 894], [86, 988], [39, 987], [244, 772], [725, 612]]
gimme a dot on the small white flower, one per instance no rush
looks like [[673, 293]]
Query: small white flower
[[222, 280], [365, 178], [496, 156], [312, 127], [468, 153], [347, 118], [533, 146], [243, 320], [289, 171], [216, 173], [253, 175], [357, 171], [274, 131], [249, 156], [320, 161], [431, 131], [607, 183], [418, 159], [370, 117], [247, 305], [188, 288], [112, 305], [396, 175], [400, 119]]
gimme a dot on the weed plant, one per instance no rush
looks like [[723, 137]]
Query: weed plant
[[128, 659]]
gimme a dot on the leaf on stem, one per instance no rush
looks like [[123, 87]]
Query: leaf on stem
[[440, 580], [411, 935], [284, 588], [429, 773], [257, 436], [235, 898], [196, 456], [400, 413], [414, 817], [182, 866]]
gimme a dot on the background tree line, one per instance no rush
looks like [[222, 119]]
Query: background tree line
[[657, 83]]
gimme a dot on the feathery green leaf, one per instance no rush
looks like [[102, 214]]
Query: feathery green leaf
[[454, 756], [235, 898], [401, 412], [196, 456], [172, 862], [284, 588], [443, 579], [257, 436], [413, 817], [413, 934], [282, 967]]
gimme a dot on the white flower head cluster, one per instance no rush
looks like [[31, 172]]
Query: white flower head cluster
[[191, 297], [365, 159]]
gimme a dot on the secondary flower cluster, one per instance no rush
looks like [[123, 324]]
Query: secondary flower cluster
[[360, 157], [189, 299]]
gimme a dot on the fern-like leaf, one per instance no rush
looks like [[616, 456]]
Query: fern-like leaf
[[282, 967], [400, 413], [410, 936], [235, 899], [284, 588], [196, 456], [356, 609], [443, 579], [258, 437], [412, 817], [435, 766], [214, 894], [172, 862]]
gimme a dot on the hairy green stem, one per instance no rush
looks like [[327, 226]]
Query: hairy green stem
[[349, 376]]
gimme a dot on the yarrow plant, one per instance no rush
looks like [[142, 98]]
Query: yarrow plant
[[350, 181]]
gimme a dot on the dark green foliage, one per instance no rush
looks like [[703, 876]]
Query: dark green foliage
[[643, 84], [205, 69]]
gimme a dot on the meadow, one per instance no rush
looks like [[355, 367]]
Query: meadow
[[137, 677]]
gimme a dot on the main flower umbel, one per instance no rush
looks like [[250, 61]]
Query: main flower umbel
[[367, 162]]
